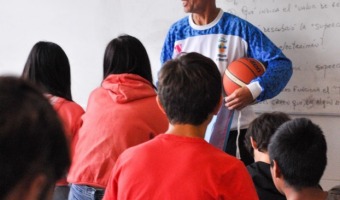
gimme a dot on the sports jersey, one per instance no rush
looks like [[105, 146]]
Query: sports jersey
[[123, 112], [226, 39], [177, 167]]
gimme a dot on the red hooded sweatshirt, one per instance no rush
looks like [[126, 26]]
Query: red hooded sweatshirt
[[123, 112], [70, 114]]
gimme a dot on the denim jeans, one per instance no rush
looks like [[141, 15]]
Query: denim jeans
[[84, 192]]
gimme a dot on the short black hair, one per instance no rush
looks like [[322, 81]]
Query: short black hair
[[32, 140], [189, 88], [262, 128], [300, 150], [48, 66], [126, 54]]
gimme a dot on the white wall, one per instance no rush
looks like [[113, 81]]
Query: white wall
[[83, 28], [330, 126]]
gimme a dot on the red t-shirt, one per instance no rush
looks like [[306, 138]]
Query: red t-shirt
[[175, 167]]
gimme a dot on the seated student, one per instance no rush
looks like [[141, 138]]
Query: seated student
[[47, 66], [298, 154], [33, 148], [121, 113], [181, 164], [257, 139]]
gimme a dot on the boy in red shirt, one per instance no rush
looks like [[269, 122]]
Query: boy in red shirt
[[180, 164]]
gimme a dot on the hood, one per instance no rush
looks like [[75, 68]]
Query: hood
[[125, 88]]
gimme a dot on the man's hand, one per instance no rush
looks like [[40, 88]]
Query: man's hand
[[239, 99]]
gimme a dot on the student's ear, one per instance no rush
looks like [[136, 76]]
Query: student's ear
[[276, 170], [253, 143], [277, 176], [160, 104], [218, 106]]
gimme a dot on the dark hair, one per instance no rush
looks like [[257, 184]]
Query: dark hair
[[47, 66], [189, 88], [300, 150], [126, 54], [32, 140], [262, 128]]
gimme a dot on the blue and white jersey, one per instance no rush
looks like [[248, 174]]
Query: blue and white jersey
[[226, 39]]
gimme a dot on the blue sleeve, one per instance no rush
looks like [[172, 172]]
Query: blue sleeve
[[168, 46], [278, 66]]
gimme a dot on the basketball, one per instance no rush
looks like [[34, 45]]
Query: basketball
[[241, 72]]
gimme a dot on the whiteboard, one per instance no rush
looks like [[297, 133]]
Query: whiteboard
[[308, 32]]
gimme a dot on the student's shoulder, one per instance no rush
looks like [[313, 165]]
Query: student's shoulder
[[72, 106], [142, 148], [221, 157]]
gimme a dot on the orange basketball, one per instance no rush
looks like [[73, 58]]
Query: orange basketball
[[240, 73]]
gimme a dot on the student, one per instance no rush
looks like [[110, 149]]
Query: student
[[121, 113], [298, 154], [224, 38], [33, 148], [47, 66], [180, 164], [257, 139]]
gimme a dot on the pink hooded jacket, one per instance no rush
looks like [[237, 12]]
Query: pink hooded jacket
[[70, 114], [123, 112]]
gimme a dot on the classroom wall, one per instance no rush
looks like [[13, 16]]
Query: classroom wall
[[83, 28]]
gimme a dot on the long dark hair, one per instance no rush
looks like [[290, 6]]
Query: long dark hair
[[126, 54], [47, 66]]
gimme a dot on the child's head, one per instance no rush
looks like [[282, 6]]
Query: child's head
[[262, 128], [33, 148], [189, 88], [126, 54], [297, 152], [47, 65]]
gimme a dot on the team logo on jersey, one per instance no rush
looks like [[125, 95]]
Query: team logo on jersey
[[178, 48], [222, 56]]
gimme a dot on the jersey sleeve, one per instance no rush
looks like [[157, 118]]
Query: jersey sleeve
[[278, 66], [168, 46]]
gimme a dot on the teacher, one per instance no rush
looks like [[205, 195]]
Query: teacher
[[224, 38]]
